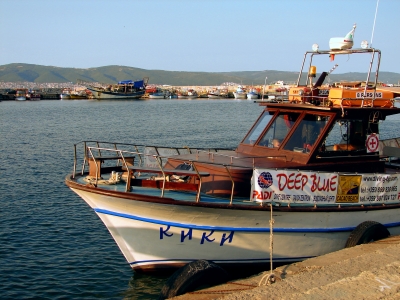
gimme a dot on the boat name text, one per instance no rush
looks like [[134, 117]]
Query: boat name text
[[208, 237]]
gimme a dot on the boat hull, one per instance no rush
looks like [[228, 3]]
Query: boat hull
[[216, 96], [252, 96], [239, 95], [156, 96], [65, 96], [100, 94], [148, 232]]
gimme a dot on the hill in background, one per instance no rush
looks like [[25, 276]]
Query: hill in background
[[111, 74]]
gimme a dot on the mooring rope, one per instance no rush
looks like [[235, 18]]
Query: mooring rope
[[270, 278]]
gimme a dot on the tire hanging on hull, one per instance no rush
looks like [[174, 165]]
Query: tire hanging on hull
[[366, 232]]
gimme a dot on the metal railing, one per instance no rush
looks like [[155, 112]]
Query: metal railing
[[98, 153]]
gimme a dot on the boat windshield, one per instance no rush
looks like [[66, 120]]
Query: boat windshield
[[257, 129], [278, 130], [306, 133]]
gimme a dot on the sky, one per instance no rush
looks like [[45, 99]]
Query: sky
[[193, 35]]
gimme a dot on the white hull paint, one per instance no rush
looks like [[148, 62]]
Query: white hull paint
[[148, 233], [65, 96], [239, 95], [156, 97], [252, 96]]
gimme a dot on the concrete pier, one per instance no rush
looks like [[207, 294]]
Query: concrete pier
[[369, 271]]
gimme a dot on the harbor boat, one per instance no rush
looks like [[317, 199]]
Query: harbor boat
[[158, 95], [240, 93], [187, 94], [310, 177], [217, 94], [21, 94], [65, 94], [34, 96], [252, 94], [192, 94], [126, 89], [76, 95]]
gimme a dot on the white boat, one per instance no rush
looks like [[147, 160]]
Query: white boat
[[309, 171], [20, 94], [187, 94], [240, 93], [65, 94], [252, 94], [157, 95], [217, 94], [192, 94], [126, 89]]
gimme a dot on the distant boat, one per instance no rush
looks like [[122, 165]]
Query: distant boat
[[126, 89], [192, 94], [65, 94], [252, 94], [78, 95], [240, 93], [33, 96], [20, 94], [158, 94], [217, 94]]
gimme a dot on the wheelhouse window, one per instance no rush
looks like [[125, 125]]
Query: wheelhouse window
[[278, 130], [306, 133], [257, 129], [347, 135]]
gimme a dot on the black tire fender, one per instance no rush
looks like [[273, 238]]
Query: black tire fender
[[366, 232], [191, 276]]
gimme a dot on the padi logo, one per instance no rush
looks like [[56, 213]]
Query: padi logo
[[265, 180]]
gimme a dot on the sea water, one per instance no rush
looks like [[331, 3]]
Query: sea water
[[52, 245]]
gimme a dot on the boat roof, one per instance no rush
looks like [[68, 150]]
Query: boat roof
[[392, 89]]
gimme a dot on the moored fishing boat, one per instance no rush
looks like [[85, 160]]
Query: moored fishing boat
[[312, 163], [75, 95], [34, 96], [126, 89], [65, 94], [217, 94], [21, 94], [158, 94], [252, 94], [240, 93]]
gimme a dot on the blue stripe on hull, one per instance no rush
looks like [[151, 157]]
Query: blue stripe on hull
[[224, 228]]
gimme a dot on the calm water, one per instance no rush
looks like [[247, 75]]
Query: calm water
[[52, 245]]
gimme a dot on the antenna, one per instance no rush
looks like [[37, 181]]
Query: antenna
[[373, 27]]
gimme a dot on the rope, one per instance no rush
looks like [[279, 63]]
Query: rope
[[250, 286], [270, 278]]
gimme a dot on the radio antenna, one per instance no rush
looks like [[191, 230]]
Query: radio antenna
[[373, 27]]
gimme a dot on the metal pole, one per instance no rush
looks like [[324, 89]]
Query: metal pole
[[265, 83]]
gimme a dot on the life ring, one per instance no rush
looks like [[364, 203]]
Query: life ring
[[191, 276], [366, 232]]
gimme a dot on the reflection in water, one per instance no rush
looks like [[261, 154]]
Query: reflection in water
[[143, 286]]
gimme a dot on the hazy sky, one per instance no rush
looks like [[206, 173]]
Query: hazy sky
[[192, 35]]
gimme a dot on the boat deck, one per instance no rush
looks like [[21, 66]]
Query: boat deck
[[185, 196]]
